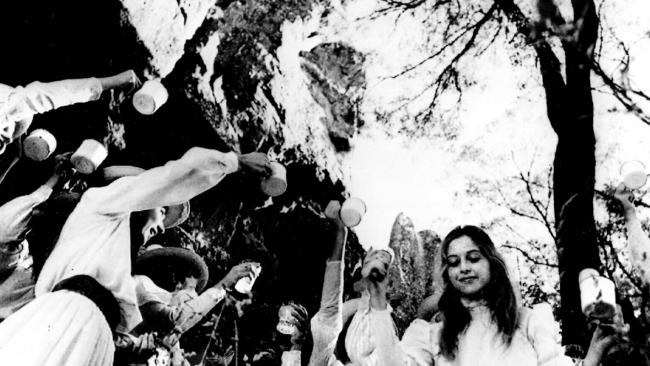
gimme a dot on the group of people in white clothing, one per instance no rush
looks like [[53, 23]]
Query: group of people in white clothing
[[476, 320], [90, 289]]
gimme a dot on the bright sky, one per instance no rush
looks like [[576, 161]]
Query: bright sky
[[425, 179]]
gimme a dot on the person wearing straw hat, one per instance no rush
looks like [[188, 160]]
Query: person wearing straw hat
[[18, 105], [16, 280], [85, 292], [168, 282]]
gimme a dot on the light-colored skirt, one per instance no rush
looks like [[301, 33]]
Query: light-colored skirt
[[57, 328]]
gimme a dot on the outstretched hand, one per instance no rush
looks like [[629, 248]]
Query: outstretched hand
[[236, 273]]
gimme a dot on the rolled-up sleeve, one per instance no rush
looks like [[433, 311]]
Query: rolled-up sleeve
[[177, 181]]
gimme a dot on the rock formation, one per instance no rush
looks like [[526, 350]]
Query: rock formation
[[242, 76]]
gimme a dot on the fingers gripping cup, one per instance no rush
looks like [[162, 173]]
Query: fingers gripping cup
[[276, 184], [89, 156], [39, 145], [352, 211], [245, 285], [286, 322], [597, 295], [150, 97], [633, 174]]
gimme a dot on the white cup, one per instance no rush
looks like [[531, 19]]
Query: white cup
[[286, 324], [276, 184], [633, 174], [352, 211], [89, 156], [39, 145], [151, 96], [597, 295], [245, 285]]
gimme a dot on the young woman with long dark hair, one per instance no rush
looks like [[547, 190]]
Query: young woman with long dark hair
[[479, 321]]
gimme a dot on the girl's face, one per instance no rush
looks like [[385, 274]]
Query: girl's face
[[467, 267]]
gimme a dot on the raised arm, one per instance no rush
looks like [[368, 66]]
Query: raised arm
[[182, 316], [638, 241], [177, 181], [39, 97]]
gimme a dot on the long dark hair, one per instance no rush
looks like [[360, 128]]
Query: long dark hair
[[46, 223], [498, 294]]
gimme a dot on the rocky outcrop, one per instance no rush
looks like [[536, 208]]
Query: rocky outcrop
[[244, 76], [415, 273]]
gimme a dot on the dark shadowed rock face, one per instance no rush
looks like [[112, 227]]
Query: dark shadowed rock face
[[226, 92], [337, 82]]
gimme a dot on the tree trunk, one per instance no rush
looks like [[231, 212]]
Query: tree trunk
[[570, 112]]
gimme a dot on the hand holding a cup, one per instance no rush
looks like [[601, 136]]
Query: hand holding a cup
[[333, 212], [625, 196], [236, 273], [293, 321], [256, 163]]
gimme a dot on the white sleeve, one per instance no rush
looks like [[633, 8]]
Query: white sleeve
[[38, 97], [543, 333], [639, 245], [291, 358], [327, 323], [15, 214], [419, 343], [372, 340], [177, 181]]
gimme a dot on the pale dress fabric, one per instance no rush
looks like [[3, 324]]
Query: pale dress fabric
[[370, 335], [535, 343], [95, 241]]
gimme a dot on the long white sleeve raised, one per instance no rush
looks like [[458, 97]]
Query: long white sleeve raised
[[639, 244], [177, 181]]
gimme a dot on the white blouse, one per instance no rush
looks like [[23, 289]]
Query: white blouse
[[535, 342]]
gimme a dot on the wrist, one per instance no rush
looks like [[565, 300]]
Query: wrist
[[296, 347]]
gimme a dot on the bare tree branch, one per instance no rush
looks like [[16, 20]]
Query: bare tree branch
[[530, 258]]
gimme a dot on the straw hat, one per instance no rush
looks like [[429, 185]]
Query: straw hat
[[174, 214], [159, 264]]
